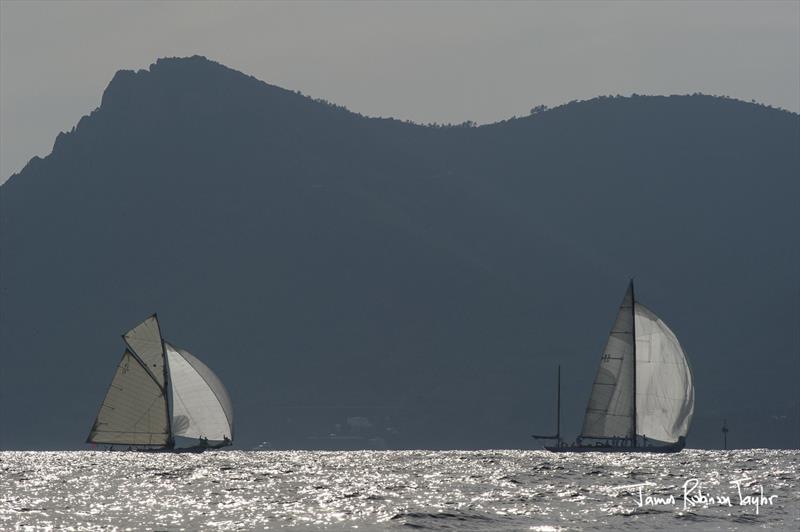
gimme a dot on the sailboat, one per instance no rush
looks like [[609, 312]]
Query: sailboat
[[643, 397], [162, 398]]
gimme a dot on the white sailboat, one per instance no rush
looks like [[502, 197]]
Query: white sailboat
[[643, 396], [162, 398]]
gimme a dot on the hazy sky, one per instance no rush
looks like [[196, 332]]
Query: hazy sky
[[442, 62]]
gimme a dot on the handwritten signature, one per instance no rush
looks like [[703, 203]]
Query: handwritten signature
[[693, 495]]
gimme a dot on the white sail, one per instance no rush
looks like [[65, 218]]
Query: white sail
[[134, 411], [611, 408], [664, 389], [201, 407], [144, 341]]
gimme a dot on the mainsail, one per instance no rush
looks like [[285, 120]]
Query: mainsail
[[159, 392], [644, 385], [610, 412]]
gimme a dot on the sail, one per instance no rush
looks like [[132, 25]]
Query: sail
[[611, 406], [201, 407], [664, 390], [144, 341], [134, 411]]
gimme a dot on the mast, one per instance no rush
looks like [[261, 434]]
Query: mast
[[558, 408], [171, 440], [633, 334], [725, 433], [167, 404], [557, 436]]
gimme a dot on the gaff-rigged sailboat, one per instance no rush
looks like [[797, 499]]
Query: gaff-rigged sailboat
[[643, 397], [162, 397]]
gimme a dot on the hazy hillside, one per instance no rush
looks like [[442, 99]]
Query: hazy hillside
[[331, 266]]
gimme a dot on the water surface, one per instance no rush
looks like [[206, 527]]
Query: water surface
[[370, 490]]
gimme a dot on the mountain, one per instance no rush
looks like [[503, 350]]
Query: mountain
[[396, 284]]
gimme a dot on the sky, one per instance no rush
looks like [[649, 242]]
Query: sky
[[426, 62]]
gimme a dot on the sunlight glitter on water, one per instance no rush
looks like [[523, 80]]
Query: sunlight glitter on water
[[482, 490]]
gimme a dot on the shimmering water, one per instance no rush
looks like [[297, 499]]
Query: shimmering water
[[484, 490]]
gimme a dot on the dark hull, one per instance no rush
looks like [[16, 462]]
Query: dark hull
[[179, 450], [671, 448], [182, 450]]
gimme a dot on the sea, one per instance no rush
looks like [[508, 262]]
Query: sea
[[396, 490]]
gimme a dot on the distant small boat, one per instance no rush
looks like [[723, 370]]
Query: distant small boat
[[162, 398], [643, 396]]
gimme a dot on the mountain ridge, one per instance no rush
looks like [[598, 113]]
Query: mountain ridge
[[329, 266], [123, 80]]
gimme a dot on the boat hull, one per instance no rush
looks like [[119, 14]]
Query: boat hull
[[176, 450], [670, 448], [181, 450]]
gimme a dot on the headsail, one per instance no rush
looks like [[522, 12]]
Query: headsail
[[134, 411], [201, 407], [610, 412], [664, 389]]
